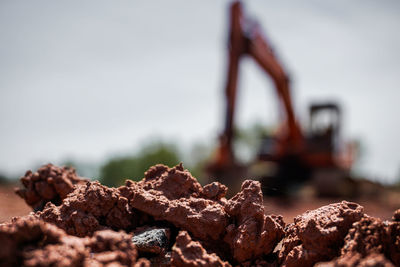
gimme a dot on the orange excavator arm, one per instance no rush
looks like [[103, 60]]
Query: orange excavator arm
[[245, 38]]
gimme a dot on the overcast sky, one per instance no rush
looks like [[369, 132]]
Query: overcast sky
[[86, 79]]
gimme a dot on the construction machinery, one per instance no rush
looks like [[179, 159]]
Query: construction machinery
[[297, 154]]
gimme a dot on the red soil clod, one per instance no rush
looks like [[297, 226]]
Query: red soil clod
[[186, 252], [317, 235], [49, 184], [33, 242], [83, 223]]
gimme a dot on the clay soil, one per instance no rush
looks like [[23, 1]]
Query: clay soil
[[289, 209], [169, 219], [12, 205]]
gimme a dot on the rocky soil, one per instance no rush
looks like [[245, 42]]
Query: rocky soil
[[169, 219]]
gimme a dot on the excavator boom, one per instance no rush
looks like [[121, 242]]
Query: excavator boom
[[290, 156], [245, 38]]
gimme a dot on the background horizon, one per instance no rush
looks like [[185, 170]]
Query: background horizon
[[88, 81]]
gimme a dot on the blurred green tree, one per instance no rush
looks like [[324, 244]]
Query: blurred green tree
[[117, 170], [248, 141], [196, 159], [4, 180]]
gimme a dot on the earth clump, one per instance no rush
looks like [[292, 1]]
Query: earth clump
[[169, 219]]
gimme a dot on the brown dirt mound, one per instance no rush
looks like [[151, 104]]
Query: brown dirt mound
[[48, 184], [169, 219]]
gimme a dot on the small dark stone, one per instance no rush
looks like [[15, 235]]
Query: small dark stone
[[153, 240]]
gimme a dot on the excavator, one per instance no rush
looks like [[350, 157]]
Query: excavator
[[297, 155]]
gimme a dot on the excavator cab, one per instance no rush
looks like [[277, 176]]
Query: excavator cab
[[324, 128]]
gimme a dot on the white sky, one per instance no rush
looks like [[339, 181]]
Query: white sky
[[88, 78]]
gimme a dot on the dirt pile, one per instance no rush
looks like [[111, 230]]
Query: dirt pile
[[318, 234], [48, 184], [169, 219], [31, 242]]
